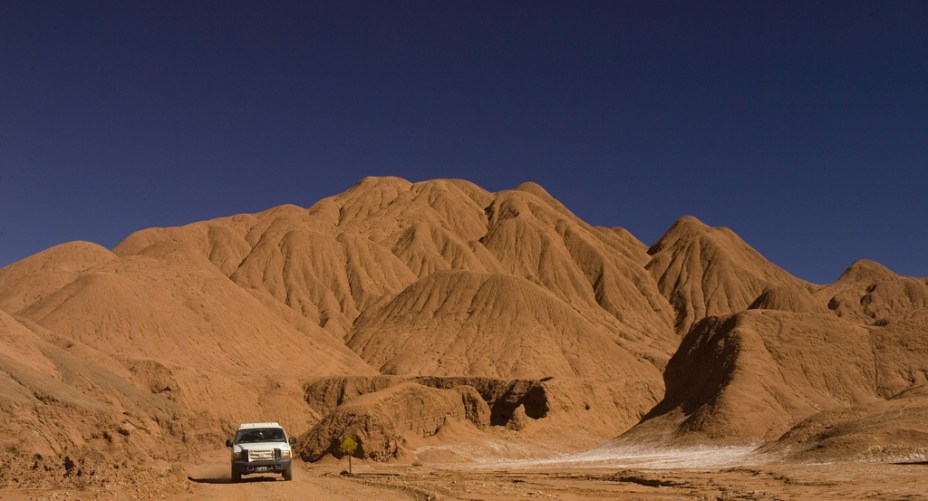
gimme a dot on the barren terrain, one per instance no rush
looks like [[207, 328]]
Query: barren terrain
[[477, 345], [704, 473]]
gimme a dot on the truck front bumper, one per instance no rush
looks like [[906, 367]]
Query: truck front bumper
[[249, 467]]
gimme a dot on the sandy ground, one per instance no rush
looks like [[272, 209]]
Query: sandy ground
[[671, 477]]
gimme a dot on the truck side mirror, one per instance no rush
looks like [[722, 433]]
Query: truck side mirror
[[228, 443], [292, 440]]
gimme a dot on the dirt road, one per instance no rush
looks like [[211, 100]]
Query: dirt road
[[208, 479], [211, 480], [570, 481]]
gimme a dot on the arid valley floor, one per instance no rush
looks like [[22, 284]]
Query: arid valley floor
[[633, 478]]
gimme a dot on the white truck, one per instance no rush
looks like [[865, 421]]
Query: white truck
[[261, 448]]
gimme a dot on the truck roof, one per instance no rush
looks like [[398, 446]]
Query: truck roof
[[244, 426]]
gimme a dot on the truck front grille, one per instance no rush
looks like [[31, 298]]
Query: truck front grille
[[260, 454]]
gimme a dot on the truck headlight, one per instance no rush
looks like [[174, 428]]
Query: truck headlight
[[236, 455], [285, 454]]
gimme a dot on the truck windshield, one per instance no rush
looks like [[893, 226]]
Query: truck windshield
[[259, 435]]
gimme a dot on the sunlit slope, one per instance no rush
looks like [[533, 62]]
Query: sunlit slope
[[168, 310], [355, 263], [818, 385], [706, 271]]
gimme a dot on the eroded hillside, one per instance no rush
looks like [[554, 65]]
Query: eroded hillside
[[448, 296]]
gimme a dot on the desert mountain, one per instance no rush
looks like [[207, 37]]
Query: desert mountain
[[342, 315], [442, 277], [173, 312], [748, 377], [868, 292], [707, 271], [463, 323], [818, 385]]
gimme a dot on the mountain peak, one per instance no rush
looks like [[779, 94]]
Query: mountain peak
[[706, 271], [381, 181], [867, 270], [685, 228], [535, 189], [689, 222]]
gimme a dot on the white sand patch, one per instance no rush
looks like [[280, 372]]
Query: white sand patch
[[639, 456]]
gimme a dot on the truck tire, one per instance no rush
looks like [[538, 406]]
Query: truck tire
[[288, 473], [236, 476]]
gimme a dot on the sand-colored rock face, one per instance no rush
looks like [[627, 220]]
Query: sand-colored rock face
[[182, 315], [753, 376], [350, 253], [788, 298], [27, 281], [71, 414], [462, 323], [378, 420], [868, 292], [351, 314], [750, 376], [551, 406], [901, 352], [707, 271]]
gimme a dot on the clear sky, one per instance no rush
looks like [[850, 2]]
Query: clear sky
[[801, 125]]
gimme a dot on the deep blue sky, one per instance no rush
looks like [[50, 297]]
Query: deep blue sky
[[803, 126]]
